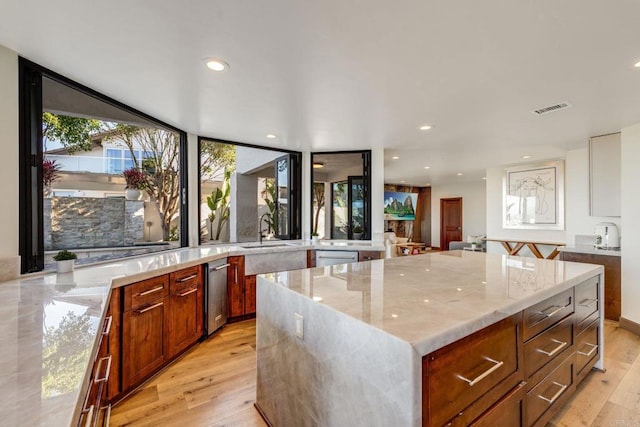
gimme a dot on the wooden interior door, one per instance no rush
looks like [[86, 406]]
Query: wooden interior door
[[450, 221]]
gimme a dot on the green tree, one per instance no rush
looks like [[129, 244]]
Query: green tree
[[160, 167], [318, 203], [74, 133], [216, 157], [219, 204]]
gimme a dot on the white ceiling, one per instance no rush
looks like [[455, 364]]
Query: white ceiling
[[341, 75]]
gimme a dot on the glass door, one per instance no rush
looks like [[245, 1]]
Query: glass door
[[287, 198], [356, 202], [339, 210]]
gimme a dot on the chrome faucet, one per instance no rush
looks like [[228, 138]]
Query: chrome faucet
[[260, 230]]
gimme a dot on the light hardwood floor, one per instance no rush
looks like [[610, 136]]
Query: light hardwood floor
[[214, 385]]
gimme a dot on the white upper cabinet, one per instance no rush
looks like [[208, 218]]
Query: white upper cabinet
[[604, 175]]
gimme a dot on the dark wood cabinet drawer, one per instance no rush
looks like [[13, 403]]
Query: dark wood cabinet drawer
[[188, 278], [145, 292], [550, 393], [544, 348], [368, 255], [545, 314], [587, 303], [587, 348], [462, 372], [509, 411]]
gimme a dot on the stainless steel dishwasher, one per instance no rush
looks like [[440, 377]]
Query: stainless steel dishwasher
[[216, 296]]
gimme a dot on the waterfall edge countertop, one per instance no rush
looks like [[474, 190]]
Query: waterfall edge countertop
[[49, 325], [344, 345]]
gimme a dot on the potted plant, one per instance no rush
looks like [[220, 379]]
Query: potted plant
[[50, 173], [357, 232], [65, 261], [314, 237], [135, 182]]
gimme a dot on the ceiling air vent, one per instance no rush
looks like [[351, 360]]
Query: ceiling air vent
[[551, 108]]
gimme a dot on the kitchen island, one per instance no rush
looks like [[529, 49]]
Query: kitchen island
[[359, 344]]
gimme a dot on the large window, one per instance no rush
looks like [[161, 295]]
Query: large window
[[102, 180], [248, 193]]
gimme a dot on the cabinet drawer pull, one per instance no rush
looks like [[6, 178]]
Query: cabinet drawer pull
[[220, 267], [561, 345], [151, 307], [150, 291], [483, 375], [106, 374], [558, 309], [594, 347], [107, 417], [590, 301], [107, 327], [186, 279], [89, 419], [184, 294], [555, 397]]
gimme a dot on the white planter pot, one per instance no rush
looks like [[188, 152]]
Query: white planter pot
[[314, 239], [65, 266], [132, 194]]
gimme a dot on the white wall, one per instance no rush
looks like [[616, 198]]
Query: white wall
[[474, 208], [9, 143], [630, 215], [577, 216], [494, 219]]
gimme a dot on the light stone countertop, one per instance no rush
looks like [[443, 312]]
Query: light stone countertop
[[588, 249], [49, 324], [432, 300]]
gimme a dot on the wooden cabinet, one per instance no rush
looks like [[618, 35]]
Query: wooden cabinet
[[144, 346], [250, 294], [235, 286], [96, 409], [184, 310], [369, 255], [162, 317], [612, 291], [519, 371], [464, 379]]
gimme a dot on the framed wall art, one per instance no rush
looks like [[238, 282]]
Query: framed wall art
[[533, 196]]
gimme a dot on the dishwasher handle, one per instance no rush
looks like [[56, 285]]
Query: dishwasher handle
[[220, 267]]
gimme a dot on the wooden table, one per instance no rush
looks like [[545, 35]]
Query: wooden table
[[412, 248], [533, 247]]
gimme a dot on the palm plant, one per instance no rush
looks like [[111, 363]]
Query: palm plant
[[219, 204]]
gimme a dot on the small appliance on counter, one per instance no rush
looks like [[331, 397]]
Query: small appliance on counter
[[607, 236]]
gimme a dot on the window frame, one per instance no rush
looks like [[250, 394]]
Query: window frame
[[295, 180], [31, 229]]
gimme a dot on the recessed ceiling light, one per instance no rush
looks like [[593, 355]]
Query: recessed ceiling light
[[317, 299], [425, 127], [427, 167], [402, 181], [271, 136], [484, 178], [526, 156], [459, 174], [637, 65], [318, 165], [395, 157], [216, 64], [394, 316]]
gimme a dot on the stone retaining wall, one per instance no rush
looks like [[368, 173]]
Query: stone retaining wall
[[83, 222]]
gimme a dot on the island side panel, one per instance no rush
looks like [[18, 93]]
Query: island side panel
[[344, 372]]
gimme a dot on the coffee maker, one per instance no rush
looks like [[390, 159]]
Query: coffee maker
[[607, 236]]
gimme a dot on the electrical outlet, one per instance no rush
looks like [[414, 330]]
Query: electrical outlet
[[299, 325]]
